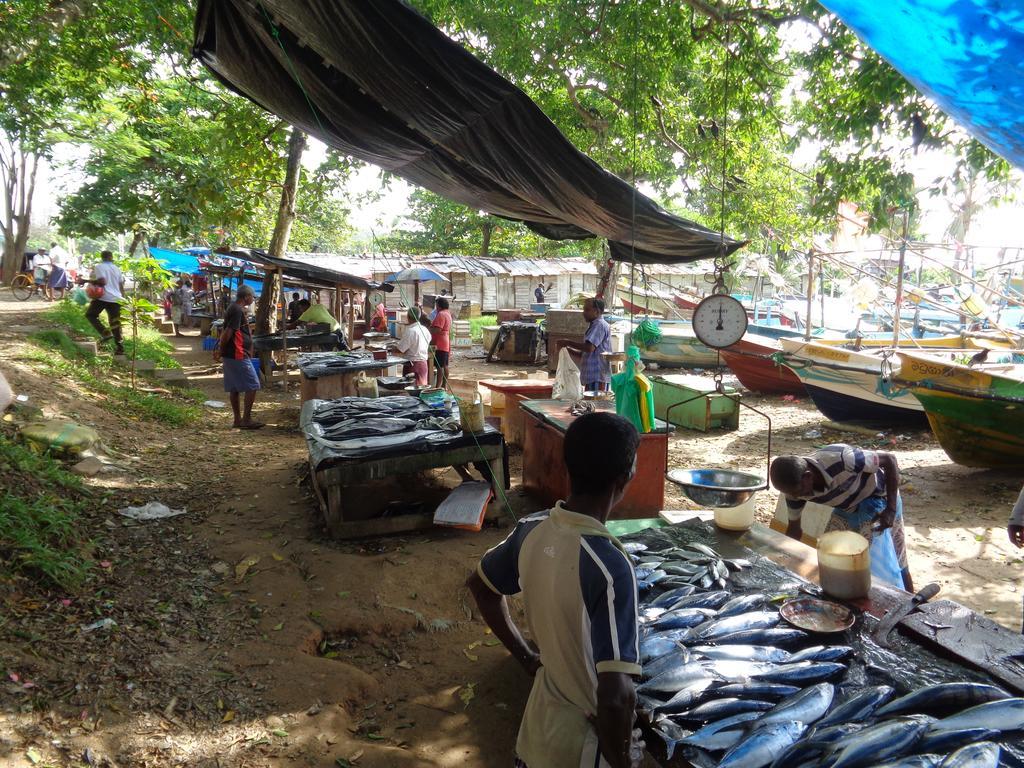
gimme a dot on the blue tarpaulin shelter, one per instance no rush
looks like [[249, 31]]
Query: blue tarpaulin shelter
[[967, 55], [175, 261]]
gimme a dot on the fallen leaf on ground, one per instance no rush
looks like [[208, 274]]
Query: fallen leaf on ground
[[33, 756], [244, 565], [276, 556], [404, 665], [228, 716], [278, 627], [466, 694]]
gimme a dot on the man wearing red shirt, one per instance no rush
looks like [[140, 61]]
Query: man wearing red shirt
[[440, 334]]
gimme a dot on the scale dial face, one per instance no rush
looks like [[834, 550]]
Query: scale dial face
[[719, 321]]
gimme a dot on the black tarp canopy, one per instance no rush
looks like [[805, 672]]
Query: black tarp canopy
[[377, 81]]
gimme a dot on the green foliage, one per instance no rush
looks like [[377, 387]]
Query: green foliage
[[97, 374], [149, 345], [650, 92], [442, 226], [476, 325], [41, 508]]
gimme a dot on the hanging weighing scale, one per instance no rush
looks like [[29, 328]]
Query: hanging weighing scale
[[719, 321]]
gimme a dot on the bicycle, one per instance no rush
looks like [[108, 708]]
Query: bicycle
[[23, 286]]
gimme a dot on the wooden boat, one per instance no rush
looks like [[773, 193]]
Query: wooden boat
[[751, 360], [847, 385], [638, 300], [679, 347], [976, 414]]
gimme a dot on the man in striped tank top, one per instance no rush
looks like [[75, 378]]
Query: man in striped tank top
[[863, 489]]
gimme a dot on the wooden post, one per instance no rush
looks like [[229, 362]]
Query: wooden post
[[899, 280], [351, 319], [810, 295], [284, 330]]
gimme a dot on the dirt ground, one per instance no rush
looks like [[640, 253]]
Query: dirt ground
[[245, 637]]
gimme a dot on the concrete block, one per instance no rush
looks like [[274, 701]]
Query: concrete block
[[172, 376], [87, 346], [144, 365]]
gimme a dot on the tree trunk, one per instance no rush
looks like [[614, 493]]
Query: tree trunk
[[265, 316], [485, 246], [137, 238], [17, 183]]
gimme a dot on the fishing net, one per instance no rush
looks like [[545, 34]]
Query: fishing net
[[647, 334]]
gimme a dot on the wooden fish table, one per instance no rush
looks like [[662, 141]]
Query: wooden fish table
[[544, 473]]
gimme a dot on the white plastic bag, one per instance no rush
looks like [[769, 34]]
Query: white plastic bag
[[567, 384]]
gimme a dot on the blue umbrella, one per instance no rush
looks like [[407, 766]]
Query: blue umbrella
[[415, 275]]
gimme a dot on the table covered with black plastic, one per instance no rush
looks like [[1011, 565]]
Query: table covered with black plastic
[[357, 443], [327, 375]]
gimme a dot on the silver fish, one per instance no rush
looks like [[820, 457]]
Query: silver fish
[[942, 699], [655, 647], [713, 710], [686, 698], [726, 723], [878, 743], [942, 742], [805, 672], [665, 599], [701, 600], [676, 657], [676, 679], [858, 707], [682, 618], [824, 653], [806, 706], [741, 623], [773, 636], [741, 604], [982, 755], [756, 690], [763, 746], [742, 652], [914, 761], [1005, 715]]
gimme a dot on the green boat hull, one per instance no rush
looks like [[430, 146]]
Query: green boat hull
[[973, 431]]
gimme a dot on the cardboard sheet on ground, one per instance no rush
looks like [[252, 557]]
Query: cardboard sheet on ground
[[465, 507]]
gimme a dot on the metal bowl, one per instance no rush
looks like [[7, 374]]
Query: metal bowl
[[815, 615], [717, 487]]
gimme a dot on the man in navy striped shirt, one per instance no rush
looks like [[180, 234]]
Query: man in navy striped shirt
[[862, 487], [579, 594]]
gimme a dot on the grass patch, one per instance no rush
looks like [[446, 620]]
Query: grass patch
[[41, 506], [57, 355], [150, 345], [476, 325]]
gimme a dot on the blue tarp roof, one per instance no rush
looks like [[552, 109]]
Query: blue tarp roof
[[967, 55], [174, 261]]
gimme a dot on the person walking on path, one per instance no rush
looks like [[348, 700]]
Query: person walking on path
[[440, 333], [580, 597], [235, 352], [863, 489], [107, 278]]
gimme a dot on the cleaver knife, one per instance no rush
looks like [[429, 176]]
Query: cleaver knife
[[898, 612]]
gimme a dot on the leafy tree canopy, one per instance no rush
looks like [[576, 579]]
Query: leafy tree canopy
[[706, 101]]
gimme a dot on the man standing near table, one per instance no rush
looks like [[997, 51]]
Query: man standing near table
[[440, 334], [580, 597], [595, 373], [863, 489], [235, 351]]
